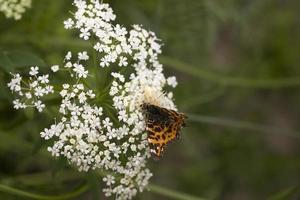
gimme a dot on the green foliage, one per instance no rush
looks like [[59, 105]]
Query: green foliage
[[238, 68], [12, 61]]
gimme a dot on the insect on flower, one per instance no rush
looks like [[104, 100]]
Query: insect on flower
[[162, 125]]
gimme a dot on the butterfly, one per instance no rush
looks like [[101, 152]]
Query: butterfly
[[163, 126]]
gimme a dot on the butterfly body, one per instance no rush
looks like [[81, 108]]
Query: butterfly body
[[162, 125]]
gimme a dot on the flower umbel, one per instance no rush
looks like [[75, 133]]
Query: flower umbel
[[30, 92], [14, 8], [104, 128]]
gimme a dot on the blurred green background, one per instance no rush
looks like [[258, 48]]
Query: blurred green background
[[237, 64]]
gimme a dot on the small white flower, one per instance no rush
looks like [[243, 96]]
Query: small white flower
[[39, 91], [68, 56], [80, 70], [133, 147], [122, 115], [104, 62], [83, 55], [66, 86], [49, 89], [39, 106], [44, 78], [82, 97], [119, 76], [18, 104], [91, 94], [68, 23], [172, 81], [55, 68], [34, 71], [110, 180], [98, 47], [34, 84], [15, 83], [80, 86], [123, 61], [85, 34], [68, 65], [107, 123], [28, 95]]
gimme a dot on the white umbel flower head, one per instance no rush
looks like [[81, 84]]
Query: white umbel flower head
[[14, 8], [104, 128], [29, 92]]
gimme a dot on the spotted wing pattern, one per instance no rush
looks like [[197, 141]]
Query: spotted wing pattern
[[163, 126]]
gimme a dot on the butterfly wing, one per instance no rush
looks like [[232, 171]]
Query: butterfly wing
[[163, 126], [158, 138]]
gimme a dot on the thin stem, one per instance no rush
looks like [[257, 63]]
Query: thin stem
[[241, 125], [203, 98], [230, 81], [18, 192], [285, 194], [172, 193], [108, 109], [39, 178], [276, 83]]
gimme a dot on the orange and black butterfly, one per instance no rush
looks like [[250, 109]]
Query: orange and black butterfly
[[163, 126]]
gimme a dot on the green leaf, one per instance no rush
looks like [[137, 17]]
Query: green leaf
[[22, 193], [10, 60]]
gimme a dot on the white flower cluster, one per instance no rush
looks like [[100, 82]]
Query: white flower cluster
[[31, 91], [14, 8], [93, 133]]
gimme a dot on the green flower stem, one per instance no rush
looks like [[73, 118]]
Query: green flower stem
[[110, 111], [227, 80], [240, 82], [186, 68], [202, 98], [65, 175], [241, 125], [18, 192], [171, 193], [285, 194], [43, 177]]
